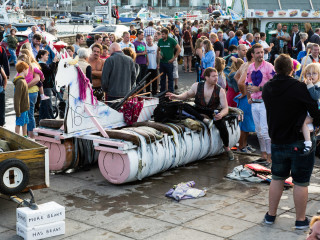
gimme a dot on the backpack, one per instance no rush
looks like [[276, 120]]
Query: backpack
[[169, 112]]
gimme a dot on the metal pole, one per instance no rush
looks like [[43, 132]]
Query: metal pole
[[109, 10]]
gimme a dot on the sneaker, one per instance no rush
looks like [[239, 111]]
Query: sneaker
[[302, 224], [244, 150], [230, 155], [268, 219], [250, 148], [44, 97]]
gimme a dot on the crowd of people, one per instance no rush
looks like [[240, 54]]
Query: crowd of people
[[276, 84]]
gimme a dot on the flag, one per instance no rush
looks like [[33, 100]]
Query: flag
[[235, 16]]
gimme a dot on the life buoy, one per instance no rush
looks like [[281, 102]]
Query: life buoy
[[14, 176]]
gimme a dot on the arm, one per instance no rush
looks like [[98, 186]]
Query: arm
[[17, 98], [106, 71], [217, 53], [5, 80], [186, 95], [177, 47], [133, 74], [35, 80], [97, 73], [224, 105], [37, 71], [89, 73], [192, 48], [158, 56]]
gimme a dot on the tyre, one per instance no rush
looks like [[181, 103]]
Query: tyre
[[14, 176]]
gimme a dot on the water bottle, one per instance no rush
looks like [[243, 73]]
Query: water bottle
[[215, 113]]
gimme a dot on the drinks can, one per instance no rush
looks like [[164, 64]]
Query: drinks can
[[216, 112]]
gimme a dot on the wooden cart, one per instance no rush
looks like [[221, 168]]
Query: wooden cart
[[24, 166]]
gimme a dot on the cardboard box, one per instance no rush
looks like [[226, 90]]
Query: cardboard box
[[47, 213], [41, 231]]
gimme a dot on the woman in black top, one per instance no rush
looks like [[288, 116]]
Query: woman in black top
[[187, 50], [49, 71]]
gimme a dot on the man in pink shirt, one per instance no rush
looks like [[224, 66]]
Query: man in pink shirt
[[259, 73]]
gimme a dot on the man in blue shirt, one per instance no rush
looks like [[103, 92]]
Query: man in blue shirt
[[237, 37], [256, 39], [36, 44]]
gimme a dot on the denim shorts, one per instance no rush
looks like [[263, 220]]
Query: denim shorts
[[287, 159], [23, 119]]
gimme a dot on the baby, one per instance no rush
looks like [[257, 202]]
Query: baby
[[312, 79]]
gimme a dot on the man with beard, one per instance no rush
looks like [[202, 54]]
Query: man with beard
[[259, 73], [97, 64]]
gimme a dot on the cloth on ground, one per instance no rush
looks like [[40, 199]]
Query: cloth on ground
[[185, 190], [243, 174]]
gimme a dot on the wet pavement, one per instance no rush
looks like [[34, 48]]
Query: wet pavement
[[96, 209]]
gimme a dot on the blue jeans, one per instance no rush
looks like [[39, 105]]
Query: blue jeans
[[45, 111], [167, 70], [32, 100], [2, 108], [288, 158], [13, 56]]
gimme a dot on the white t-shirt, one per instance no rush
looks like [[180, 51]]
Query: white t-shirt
[[152, 56], [265, 45], [129, 44]]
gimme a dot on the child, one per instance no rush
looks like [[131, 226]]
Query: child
[[32, 71], [220, 65], [312, 79], [21, 98], [105, 52], [209, 97]]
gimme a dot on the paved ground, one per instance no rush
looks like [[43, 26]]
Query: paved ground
[[96, 209]]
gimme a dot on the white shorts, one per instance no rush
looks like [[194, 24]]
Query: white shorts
[[175, 69]]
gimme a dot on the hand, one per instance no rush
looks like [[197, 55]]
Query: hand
[[271, 45], [308, 81], [171, 60], [253, 89], [218, 116], [171, 95], [250, 100], [56, 59]]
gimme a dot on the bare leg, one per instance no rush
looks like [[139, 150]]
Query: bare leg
[[305, 131], [275, 193], [41, 90], [264, 155], [243, 139], [300, 197], [30, 134], [269, 158], [17, 129], [190, 64], [175, 81], [185, 63], [24, 130]]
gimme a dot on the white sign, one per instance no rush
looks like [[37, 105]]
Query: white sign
[[103, 2], [41, 231], [47, 213], [102, 10]]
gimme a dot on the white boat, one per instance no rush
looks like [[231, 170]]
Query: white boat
[[11, 15]]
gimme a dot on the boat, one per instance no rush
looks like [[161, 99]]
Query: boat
[[127, 17], [124, 153], [11, 15]]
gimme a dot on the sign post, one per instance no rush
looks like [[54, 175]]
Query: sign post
[[104, 4]]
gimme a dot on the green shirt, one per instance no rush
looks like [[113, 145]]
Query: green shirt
[[12, 42], [167, 49]]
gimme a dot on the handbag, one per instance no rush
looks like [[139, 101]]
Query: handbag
[[131, 110]]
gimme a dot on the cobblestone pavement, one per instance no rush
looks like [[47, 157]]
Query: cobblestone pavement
[[96, 209]]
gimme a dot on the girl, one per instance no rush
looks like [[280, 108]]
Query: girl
[[35, 64], [198, 54], [220, 64], [187, 45], [112, 38], [209, 96], [209, 57], [46, 111], [312, 79]]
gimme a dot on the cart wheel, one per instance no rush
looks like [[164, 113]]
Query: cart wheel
[[14, 176], [55, 112]]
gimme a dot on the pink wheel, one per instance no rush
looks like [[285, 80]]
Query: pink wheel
[[114, 167], [60, 155]]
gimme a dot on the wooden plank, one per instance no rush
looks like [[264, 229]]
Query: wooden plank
[[22, 141], [26, 155]]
